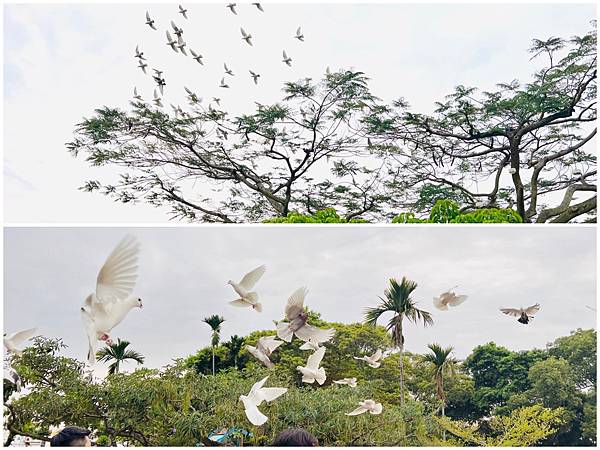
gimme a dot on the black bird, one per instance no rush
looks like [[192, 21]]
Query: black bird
[[523, 314]]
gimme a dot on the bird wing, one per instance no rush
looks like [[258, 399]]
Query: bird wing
[[243, 32], [270, 343], [251, 278], [298, 31], [314, 334], [295, 304], [511, 312], [259, 384], [361, 409], [457, 300], [438, 302], [377, 409], [148, 16], [252, 413], [270, 394], [285, 56], [315, 359], [118, 275], [22, 336], [377, 355], [169, 36], [240, 303], [532, 309]]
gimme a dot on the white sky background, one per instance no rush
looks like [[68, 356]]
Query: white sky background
[[48, 272], [63, 61]]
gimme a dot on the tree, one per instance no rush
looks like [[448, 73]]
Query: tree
[[265, 163], [119, 353], [214, 322], [234, 346], [397, 300], [579, 349], [441, 364], [539, 132]]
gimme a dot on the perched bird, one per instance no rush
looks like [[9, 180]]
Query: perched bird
[[448, 298], [178, 31], [372, 360], [367, 405], [259, 6], [246, 37], [197, 56], [254, 76], [349, 381], [312, 372], [297, 322], [512, 170], [299, 35], [138, 54], [136, 95], [149, 21], [231, 6], [243, 289], [286, 59], [183, 11], [111, 302], [171, 43], [264, 347], [254, 399], [143, 66], [228, 71], [156, 100], [13, 377], [524, 314], [13, 341], [181, 45], [223, 84]]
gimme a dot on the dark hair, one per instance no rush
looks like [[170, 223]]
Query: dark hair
[[295, 437], [70, 437]]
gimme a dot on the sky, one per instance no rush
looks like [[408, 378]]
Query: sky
[[63, 61], [183, 274]]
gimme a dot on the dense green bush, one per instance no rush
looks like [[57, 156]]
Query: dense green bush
[[448, 211]]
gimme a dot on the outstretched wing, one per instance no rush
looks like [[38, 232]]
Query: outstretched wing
[[295, 304], [361, 409], [270, 394], [118, 275], [315, 359], [438, 302], [377, 355], [314, 334], [259, 384], [22, 336], [251, 278], [532, 309], [511, 312]]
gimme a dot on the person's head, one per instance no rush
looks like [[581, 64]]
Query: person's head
[[295, 437], [72, 437]]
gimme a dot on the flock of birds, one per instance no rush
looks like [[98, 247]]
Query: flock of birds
[[177, 43], [112, 300]]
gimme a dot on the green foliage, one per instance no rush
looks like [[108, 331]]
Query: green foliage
[[448, 211], [490, 215], [118, 353], [579, 349], [327, 215]]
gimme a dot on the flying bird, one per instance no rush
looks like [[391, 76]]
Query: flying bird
[[158, 72], [161, 83], [178, 31], [512, 170], [246, 37], [136, 95], [228, 71], [197, 56], [448, 298], [105, 308], [171, 43], [372, 360], [183, 11], [524, 314], [138, 54], [286, 59], [156, 100], [254, 76], [264, 347], [257, 395], [181, 45], [192, 97], [297, 322], [13, 341], [348, 381], [310, 345], [299, 35], [217, 100], [312, 372], [149, 21], [231, 6], [243, 289], [367, 405], [143, 66], [259, 6], [223, 84]]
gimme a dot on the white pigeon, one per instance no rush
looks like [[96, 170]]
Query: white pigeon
[[297, 322], [183, 11], [136, 95], [524, 314], [156, 100], [178, 31], [244, 287], [448, 298], [197, 56], [254, 399], [142, 66], [192, 97], [372, 360], [181, 45], [512, 170], [310, 345], [13, 341], [265, 346], [223, 84], [149, 21], [254, 76], [171, 43], [367, 405], [109, 304], [312, 372], [138, 54], [11, 375], [228, 71], [246, 37], [299, 34], [348, 381], [259, 7], [286, 59], [231, 6]]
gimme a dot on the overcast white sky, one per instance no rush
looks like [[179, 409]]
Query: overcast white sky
[[48, 272], [62, 61]]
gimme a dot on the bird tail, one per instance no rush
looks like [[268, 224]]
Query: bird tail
[[258, 307], [284, 331]]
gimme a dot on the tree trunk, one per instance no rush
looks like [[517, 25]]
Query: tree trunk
[[515, 161], [400, 340], [213, 360]]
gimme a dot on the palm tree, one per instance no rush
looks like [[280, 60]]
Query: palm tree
[[234, 346], [441, 364], [214, 322], [119, 353], [397, 300]]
